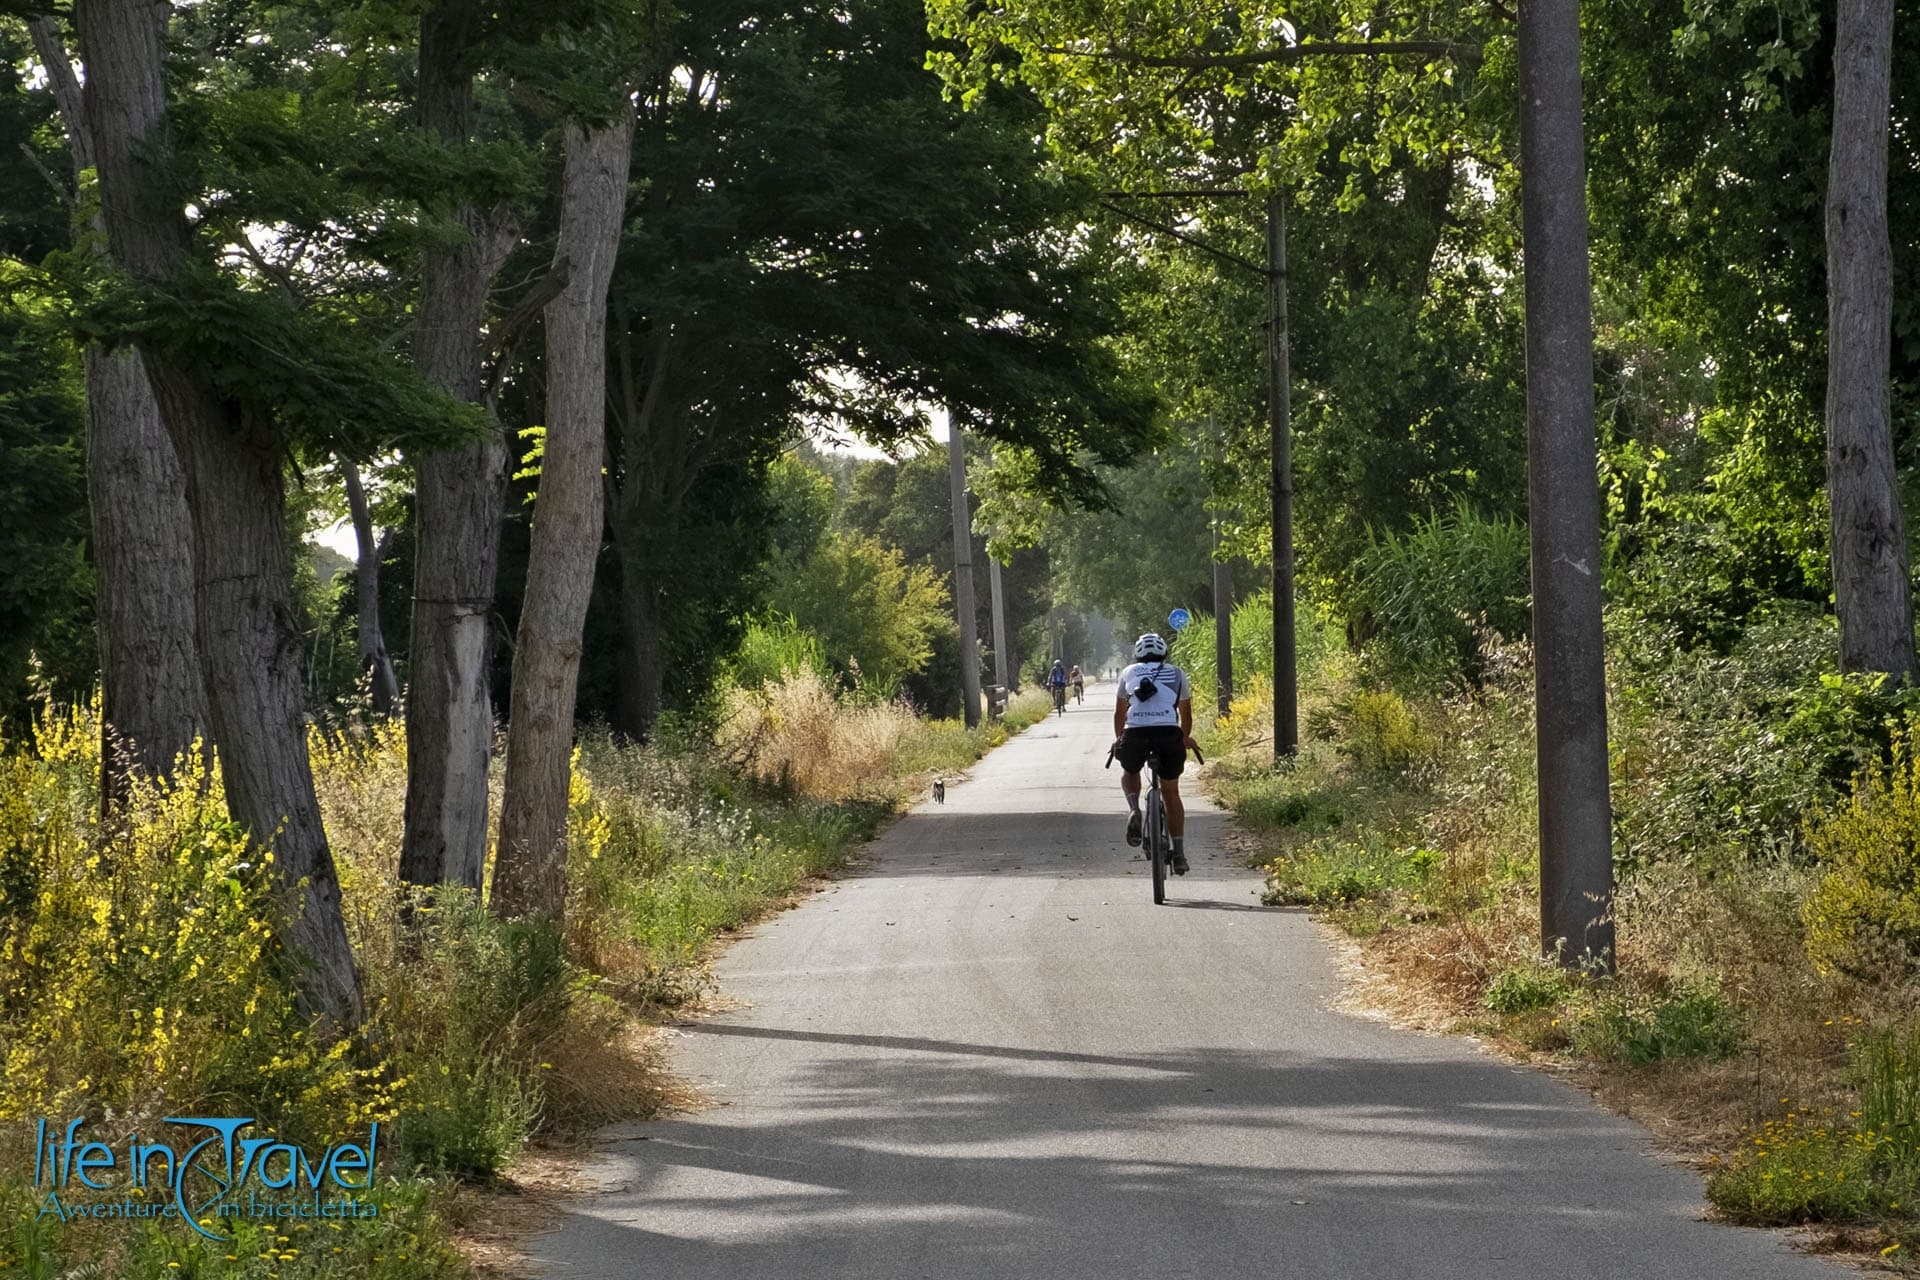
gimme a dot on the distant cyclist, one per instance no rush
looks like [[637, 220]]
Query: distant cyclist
[[1078, 681], [1057, 681], [1154, 717]]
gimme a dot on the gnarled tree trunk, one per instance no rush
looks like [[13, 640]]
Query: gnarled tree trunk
[[153, 700], [530, 877], [250, 649], [1871, 592], [457, 511]]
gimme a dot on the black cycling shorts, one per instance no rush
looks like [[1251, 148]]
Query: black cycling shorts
[[1164, 742]]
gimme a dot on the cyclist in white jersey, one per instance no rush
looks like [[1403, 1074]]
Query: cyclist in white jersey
[[1154, 717]]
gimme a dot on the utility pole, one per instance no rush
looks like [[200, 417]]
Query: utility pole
[[1570, 703], [1002, 665], [963, 575], [1286, 698]]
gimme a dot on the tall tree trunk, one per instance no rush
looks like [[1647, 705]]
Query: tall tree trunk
[[374, 660], [250, 650], [638, 695], [654, 463], [530, 876], [1871, 591], [154, 702], [457, 511]]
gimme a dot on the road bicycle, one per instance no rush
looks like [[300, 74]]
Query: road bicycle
[[1060, 699], [1153, 824]]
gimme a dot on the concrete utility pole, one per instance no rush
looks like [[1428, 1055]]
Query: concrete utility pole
[[1576, 854], [1286, 698], [963, 576]]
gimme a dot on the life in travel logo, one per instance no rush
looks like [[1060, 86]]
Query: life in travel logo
[[207, 1174]]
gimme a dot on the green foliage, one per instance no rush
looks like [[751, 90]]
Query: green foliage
[[1527, 987], [329, 384], [1724, 755], [1814, 1166], [676, 852], [143, 977], [1427, 596], [407, 1240], [469, 1018], [1800, 1168], [772, 649], [1886, 1065], [1344, 872], [872, 614], [1863, 917], [1380, 731], [46, 595], [1632, 1027], [33, 222]]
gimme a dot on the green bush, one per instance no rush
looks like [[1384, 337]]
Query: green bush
[[1526, 987], [467, 1021], [1691, 1023], [1423, 595], [1723, 756], [1344, 873], [1800, 1168], [1863, 917], [1382, 732], [407, 1240], [772, 649]]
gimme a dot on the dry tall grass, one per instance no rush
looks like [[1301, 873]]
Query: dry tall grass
[[795, 734]]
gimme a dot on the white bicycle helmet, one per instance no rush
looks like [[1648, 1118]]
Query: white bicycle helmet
[[1149, 646]]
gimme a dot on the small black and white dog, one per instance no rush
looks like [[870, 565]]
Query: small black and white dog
[[939, 791]]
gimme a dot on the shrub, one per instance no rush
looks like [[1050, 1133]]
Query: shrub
[[1800, 1168], [407, 1240], [466, 1019], [1423, 593], [1344, 873], [1695, 1022], [1863, 917], [140, 975], [1315, 639], [1382, 732], [875, 614], [1526, 987], [772, 649]]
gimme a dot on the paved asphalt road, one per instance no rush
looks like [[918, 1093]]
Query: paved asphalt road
[[987, 1054]]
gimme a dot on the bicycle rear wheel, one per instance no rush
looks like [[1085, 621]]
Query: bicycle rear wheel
[[1156, 833]]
